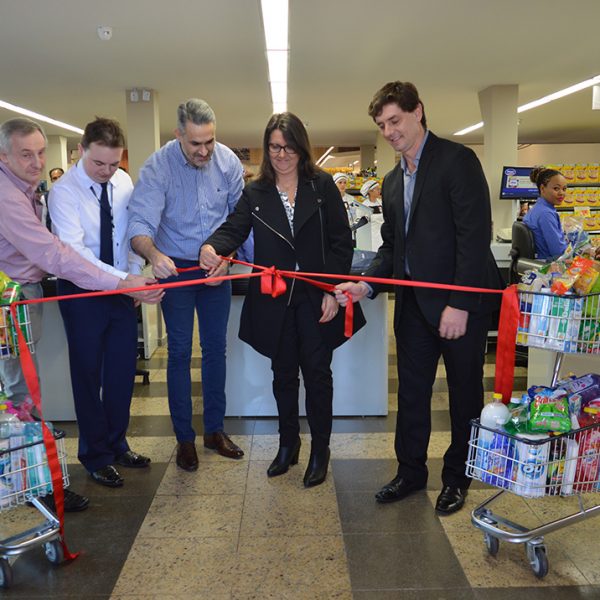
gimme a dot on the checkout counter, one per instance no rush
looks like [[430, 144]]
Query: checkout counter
[[360, 366]]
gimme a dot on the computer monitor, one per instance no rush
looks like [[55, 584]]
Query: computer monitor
[[516, 185]]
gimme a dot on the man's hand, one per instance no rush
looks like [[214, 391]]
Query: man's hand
[[330, 308], [217, 272], [162, 265], [453, 323], [358, 290], [133, 281], [210, 261]]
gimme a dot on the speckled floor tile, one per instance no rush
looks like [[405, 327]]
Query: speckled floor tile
[[510, 567], [289, 568], [19, 519], [193, 516], [264, 447], [158, 405], [212, 477], [183, 568], [288, 483], [160, 375], [296, 511]]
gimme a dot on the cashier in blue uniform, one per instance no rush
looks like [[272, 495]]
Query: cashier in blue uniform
[[542, 218]]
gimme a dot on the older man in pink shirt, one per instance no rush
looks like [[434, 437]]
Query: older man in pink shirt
[[28, 250]]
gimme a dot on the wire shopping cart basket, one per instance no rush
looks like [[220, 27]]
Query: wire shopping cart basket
[[25, 477], [9, 346], [534, 466]]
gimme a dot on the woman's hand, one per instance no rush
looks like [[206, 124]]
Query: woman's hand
[[210, 261], [330, 308]]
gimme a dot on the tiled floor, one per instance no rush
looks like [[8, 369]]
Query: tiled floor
[[229, 532]]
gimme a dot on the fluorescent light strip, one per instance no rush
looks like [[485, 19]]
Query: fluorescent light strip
[[39, 117], [324, 156], [541, 101], [275, 16]]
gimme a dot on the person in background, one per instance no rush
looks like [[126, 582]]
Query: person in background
[[299, 223], [371, 192], [437, 228], [55, 174], [542, 218], [341, 181], [184, 192], [88, 209], [28, 250]]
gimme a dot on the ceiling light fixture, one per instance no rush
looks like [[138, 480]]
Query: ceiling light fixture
[[275, 16], [39, 117], [545, 100], [324, 156]]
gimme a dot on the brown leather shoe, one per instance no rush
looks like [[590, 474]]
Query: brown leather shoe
[[221, 442], [187, 459]]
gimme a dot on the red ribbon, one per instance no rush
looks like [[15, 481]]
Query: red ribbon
[[505, 351], [272, 283], [31, 379]]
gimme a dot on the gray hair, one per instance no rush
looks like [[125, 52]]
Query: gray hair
[[195, 110], [21, 127]]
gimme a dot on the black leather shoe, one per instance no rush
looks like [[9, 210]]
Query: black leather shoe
[[132, 460], [187, 458], [73, 502], [397, 489], [317, 467], [286, 456], [107, 476], [450, 500], [223, 444]]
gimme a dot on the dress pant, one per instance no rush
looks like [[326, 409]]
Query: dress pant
[[419, 348], [301, 346], [11, 373], [102, 337], [211, 304]]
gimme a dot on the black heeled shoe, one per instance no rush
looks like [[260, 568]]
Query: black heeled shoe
[[317, 467], [286, 456]]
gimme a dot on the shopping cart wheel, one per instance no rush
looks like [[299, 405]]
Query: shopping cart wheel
[[54, 552], [538, 560], [5, 573], [491, 543]]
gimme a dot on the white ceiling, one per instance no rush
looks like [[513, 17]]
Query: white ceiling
[[341, 52]]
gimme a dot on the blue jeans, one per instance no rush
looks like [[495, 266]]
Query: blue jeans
[[211, 304]]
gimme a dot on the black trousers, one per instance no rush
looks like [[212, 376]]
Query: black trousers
[[102, 337], [302, 347], [419, 348]]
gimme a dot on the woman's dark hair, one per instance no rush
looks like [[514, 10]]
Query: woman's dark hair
[[295, 136], [541, 176], [402, 93]]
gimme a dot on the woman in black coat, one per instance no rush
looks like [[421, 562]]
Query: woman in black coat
[[299, 223]]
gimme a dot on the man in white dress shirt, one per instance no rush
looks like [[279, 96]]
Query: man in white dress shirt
[[88, 208]]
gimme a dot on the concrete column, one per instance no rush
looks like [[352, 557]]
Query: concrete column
[[385, 156], [143, 127], [56, 155], [367, 156], [498, 105]]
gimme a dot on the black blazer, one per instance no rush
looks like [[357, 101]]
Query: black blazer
[[321, 243], [449, 234]]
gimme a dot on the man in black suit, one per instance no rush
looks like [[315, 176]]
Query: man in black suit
[[437, 228]]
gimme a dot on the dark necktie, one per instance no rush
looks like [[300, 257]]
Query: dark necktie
[[106, 241]]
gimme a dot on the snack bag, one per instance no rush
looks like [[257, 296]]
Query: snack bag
[[549, 411], [562, 284]]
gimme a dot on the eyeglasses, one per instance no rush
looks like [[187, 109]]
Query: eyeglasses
[[276, 149]]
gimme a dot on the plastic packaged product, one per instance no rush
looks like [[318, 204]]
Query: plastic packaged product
[[561, 285], [556, 466], [587, 386], [549, 411], [588, 465], [531, 464], [494, 448], [9, 425]]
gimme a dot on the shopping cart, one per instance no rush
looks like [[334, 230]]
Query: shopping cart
[[553, 465], [25, 477], [9, 346], [561, 465]]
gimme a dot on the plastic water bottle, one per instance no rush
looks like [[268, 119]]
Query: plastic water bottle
[[495, 450]]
